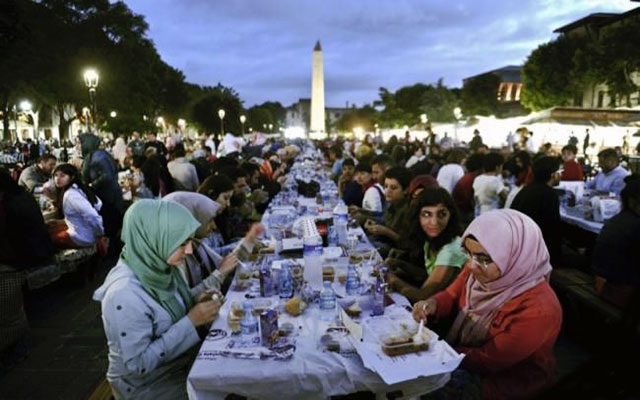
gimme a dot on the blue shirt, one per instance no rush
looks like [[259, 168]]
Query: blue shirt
[[336, 169], [612, 181]]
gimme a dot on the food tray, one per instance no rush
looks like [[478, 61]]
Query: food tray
[[395, 334]]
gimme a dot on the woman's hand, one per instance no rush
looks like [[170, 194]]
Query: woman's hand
[[228, 264], [424, 309], [254, 232], [205, 312], [377, 229]]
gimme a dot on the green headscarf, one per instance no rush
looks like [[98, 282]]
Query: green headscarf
[[151, 232]]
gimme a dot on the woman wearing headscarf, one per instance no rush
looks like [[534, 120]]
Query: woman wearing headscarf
[[508, 316], [149, 314], [205, 269]]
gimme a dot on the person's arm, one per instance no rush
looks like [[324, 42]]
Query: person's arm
[[128, 321], [447, 299], [618, 184], [437, 281]]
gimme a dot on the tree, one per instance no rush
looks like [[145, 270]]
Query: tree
[[479, 95], [619, 46], [546, 75], [205, 110]]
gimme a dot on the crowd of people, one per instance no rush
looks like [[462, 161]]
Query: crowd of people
[[469, 234]]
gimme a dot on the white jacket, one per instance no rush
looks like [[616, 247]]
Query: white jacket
[[82, 218]]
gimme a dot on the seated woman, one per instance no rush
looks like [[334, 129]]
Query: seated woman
[[79, 224], [616, 253], [218, 188], [205, 269], [434, 235], [508, 317], [149, 314]]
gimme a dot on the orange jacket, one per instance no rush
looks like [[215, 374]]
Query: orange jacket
[[517, 359]]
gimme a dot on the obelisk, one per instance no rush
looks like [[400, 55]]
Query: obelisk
[[317, 91]]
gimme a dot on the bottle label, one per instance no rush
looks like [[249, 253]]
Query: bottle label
[[312, 250]]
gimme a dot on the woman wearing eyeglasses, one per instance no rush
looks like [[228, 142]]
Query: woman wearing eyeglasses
[[508, 317], [434, 243]]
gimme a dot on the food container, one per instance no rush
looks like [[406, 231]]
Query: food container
[[235, 316], [395, 334]]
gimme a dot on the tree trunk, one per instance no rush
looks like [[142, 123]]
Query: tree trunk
[[5, 123]]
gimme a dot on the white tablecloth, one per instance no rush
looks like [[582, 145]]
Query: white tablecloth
[[312, 373], [585, 224]]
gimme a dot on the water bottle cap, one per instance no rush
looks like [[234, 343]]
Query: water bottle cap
[[247, 305], [326, 284]]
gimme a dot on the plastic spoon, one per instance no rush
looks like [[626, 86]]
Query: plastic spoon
[[418, 338]]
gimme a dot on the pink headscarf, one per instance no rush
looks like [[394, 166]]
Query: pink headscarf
[[515, 244]]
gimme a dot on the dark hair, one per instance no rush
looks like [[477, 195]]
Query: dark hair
[[7, 184], [363, 167], [475, 162], [74, 174], [570, 147], [400, 174], [208, 148], [631, 190], [138, 161], [383, 160], [455, 156], [178, 151], [233, 173], [348, 162], [224, 162], [492, 161], [249, 169], [398, 155], [46, 157], [432, 196], [214, 185], [152, 172], [544, 167], [335, 149], [608, 154]]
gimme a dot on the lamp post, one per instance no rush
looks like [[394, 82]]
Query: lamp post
[[221, 114], [270, 128], [457, 113], [243, 119], [85, 114], [91, 79], [113, 114]]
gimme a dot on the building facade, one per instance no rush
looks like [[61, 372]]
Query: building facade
[[593, 26], [508, 91]]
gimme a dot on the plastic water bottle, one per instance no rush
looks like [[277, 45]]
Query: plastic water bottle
[[286, 282], [340, 220], [352, 285], [327, 301], [248, 323], [332, 237], [312, 250]]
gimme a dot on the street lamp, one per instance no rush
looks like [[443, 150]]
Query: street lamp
[[270, 128], [25, 105], [91, 79], [243, 119], [423, 118], [221, 114], [457, 113], [113, 114]]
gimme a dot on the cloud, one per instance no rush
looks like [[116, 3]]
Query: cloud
[[263, 48]]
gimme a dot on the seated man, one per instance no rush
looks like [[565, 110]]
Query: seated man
[[611, 178], [396, 188], [373, 200], [37, 174], [539, 201], [616, 253]]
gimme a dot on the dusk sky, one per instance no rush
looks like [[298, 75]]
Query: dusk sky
[[262, 48]]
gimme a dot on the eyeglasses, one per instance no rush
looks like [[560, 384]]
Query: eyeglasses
[[479, 259]]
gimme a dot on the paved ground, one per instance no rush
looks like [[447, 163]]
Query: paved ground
[[68, 357], [69, 354]]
